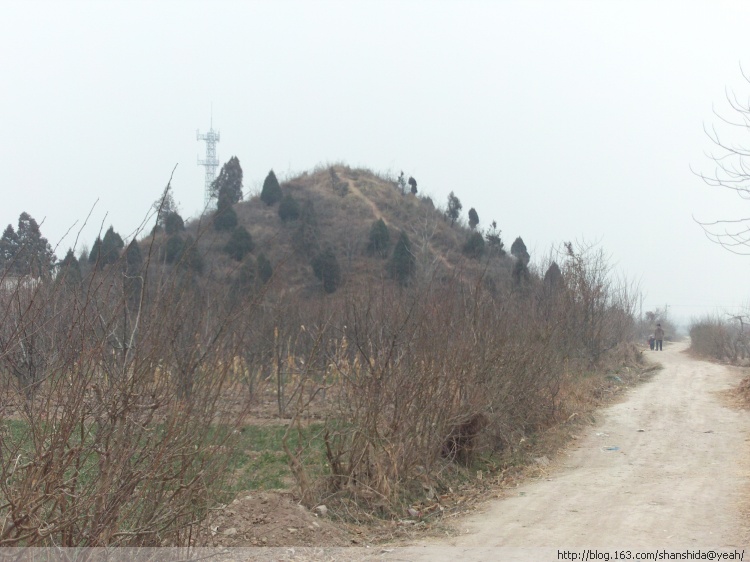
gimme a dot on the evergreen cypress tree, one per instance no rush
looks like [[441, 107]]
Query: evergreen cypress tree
[[112, 243], [413, 184], [106, 251], [326, 268], [379, 239], [133, 258], [133, 282], [271, 192], [553, 277], [402, 263], [305, 237], [494, 242], [69, 271], [265, 270], [518, 249], [164, 207], [401, 183], [35, 256], [173, 223], [96, 249], [454, 208], [174, 248], [191, 259], [474, 246], [521, 275], [8, 249], [229, 182], [244, 280], [473, 218], [83, 255], [225, 217]]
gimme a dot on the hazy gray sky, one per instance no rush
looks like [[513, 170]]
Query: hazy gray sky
[[560, 120]]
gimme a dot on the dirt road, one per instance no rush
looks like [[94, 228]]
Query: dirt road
[[665, 468]]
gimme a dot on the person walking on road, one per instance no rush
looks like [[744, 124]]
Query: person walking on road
[[658, 337]]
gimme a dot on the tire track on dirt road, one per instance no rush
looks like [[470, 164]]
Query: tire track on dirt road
[[665, 468]]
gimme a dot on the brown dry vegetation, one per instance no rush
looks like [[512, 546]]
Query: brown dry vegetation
[[719, 339], [111, 432], [725, 341], [122, 391]]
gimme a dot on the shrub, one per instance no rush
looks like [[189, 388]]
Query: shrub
[[265, 270], [326, 268], [225, 217], [239, 244], [244, 280], [712, 337], [192, 260], [379, 239], [494, 242], [553, 280], [288, 209], [173, 249], [474, 246], [401, 183], [305, 236]]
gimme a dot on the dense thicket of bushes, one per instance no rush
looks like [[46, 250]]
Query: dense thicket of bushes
[[111, 428], [115, 372], [716, 338], [405, 369]]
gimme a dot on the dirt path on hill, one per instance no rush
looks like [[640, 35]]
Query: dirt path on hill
[[378, 215], [665, 468], [357, 193]]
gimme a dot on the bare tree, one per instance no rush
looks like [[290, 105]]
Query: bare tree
[[731, 170]]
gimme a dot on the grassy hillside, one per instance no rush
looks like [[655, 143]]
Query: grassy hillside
[[338, 207]]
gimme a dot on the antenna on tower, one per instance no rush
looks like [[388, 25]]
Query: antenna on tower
[[211, 162]]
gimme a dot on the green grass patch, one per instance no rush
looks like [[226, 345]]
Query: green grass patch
[[17, 430], [260, 463], [258, 460]]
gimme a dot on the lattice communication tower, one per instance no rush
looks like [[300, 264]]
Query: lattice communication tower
[[211, 162]]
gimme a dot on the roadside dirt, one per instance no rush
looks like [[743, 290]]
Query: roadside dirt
[[665, 468], [270, 519]]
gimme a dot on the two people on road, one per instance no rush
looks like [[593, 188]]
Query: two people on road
[[658, 338]]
